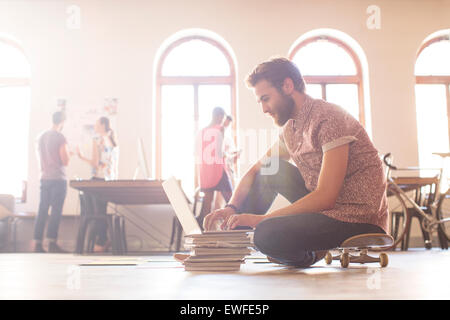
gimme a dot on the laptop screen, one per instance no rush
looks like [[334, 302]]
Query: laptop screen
[[180, 204]]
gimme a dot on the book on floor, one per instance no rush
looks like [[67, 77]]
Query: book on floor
[[219, 251], [212, 268], [214, 258]]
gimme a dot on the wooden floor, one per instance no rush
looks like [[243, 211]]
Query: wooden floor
[[416, 274]]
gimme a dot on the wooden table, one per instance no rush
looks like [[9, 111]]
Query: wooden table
[[123, 192], [414, 183], [442, 154]]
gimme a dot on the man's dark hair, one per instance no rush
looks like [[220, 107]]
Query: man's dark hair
[[275, 71], [58, 117]]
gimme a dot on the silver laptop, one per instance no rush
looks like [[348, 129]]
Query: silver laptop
[[184, 213]]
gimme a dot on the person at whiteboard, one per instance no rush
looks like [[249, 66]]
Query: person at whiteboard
[[104, 159], [104, 164], [53, 155]]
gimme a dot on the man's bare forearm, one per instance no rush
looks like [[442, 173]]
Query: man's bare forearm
[[244, 185], [246, 182]]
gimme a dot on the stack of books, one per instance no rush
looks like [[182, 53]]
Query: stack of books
[[221, 251]]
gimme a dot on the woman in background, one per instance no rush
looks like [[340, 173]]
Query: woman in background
[[103, 163]]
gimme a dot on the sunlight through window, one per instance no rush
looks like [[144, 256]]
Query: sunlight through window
[[177, 123], [432, 90], [14, 119], [195, 58], [432, 123], [322, 57], [196, 77], [13, 63], [434, 59], [314, 90], [346, 96], [331, 73]]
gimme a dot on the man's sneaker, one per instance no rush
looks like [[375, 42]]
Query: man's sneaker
[[319, 255], [315, 257], [54, 248]]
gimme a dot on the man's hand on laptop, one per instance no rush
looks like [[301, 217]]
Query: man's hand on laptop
[[219, 215], [243, 219]]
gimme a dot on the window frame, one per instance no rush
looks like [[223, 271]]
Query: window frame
[[324, 80], [195, 81], [430, 79]]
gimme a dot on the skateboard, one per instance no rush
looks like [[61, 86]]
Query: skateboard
[[355, 249]]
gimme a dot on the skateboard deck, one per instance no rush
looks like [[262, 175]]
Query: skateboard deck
[[368, 241], [355, 249]]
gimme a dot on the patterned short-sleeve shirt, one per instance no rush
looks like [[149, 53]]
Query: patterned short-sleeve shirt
[[320, 126]]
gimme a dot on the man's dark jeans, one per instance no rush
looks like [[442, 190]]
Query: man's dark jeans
[[294, 239], [53, 194]]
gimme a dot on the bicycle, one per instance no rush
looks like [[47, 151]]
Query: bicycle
[[430, 214]]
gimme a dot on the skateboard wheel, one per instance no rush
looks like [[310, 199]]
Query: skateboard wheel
[[345, 260], [384, 260], [328, 258]]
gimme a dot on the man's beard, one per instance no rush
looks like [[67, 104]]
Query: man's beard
[[284, 110]]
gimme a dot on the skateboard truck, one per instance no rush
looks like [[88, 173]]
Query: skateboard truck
[[355, 249]]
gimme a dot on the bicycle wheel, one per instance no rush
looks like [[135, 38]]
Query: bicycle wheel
[[398, 216], [443, 212]]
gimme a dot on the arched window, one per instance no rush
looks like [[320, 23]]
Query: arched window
[[14, 117], [332, 71], [432, 71], [194, 75]]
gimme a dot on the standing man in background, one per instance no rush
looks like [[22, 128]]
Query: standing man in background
[[53, 157]]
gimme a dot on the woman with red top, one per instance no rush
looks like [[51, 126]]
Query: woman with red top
[[211, 163]]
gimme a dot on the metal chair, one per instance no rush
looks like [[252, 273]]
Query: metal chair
[[15, 221], [89, 214], [5, 224], [7, 208]]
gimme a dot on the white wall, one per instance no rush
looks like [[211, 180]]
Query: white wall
[[113, 52]]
